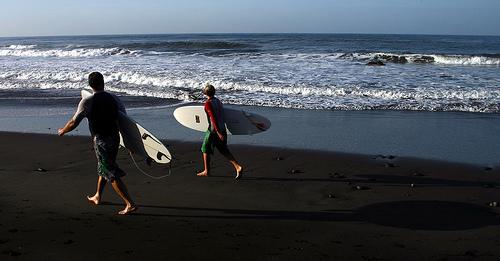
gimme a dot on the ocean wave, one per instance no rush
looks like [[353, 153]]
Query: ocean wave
[[153, 85], [311, 97], [491, 59], [484, 59], [365, 57], [466, 60], [344, 97], [50, 76], [20, 46], [27, 51], [151, 48], [232, 49]]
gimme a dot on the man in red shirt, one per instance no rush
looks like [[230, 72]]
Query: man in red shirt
[[216, 135]]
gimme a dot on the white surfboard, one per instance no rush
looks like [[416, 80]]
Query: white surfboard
[[238, 122], [137, 139]]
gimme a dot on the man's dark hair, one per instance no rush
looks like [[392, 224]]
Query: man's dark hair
[[96, 81]]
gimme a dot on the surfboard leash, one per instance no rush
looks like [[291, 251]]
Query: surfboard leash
[[148, 175]]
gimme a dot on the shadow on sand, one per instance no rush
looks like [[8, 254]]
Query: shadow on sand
[[415, 215], [389, 180]]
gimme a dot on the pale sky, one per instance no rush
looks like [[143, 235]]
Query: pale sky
[[89, 17]]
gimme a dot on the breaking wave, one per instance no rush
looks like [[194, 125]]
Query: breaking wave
[[342, 97], [31, 51], [222, 48], [149, 48], [487, 59]]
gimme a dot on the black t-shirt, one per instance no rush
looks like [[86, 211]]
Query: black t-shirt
[[103, 118]]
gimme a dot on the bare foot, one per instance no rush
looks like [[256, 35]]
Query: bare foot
[[239, 172], [96, 200], [128, 210], [202, 174]]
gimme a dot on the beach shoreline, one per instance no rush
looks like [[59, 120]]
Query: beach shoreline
[[290, 205], [459, 137]]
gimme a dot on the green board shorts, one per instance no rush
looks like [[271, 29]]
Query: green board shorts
[[106, 149], [212, 140]]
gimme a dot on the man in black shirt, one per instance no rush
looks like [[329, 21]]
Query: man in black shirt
[[101, 109]]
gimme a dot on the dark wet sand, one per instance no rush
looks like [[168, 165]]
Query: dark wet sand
[[290, 205]]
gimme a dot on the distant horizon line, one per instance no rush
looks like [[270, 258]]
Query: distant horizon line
[[245, 33]]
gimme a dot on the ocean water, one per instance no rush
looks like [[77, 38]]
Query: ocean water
[[305, 71], [436, 97]]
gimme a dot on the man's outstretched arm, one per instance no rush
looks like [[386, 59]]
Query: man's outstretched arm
[[70, 125], [76, 119]]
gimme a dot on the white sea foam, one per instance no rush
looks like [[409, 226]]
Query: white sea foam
[[466, 60], [26, 51], [59, 76], [343, 98], [20, 46], [155, 85], [425, 58], [387, 57]]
